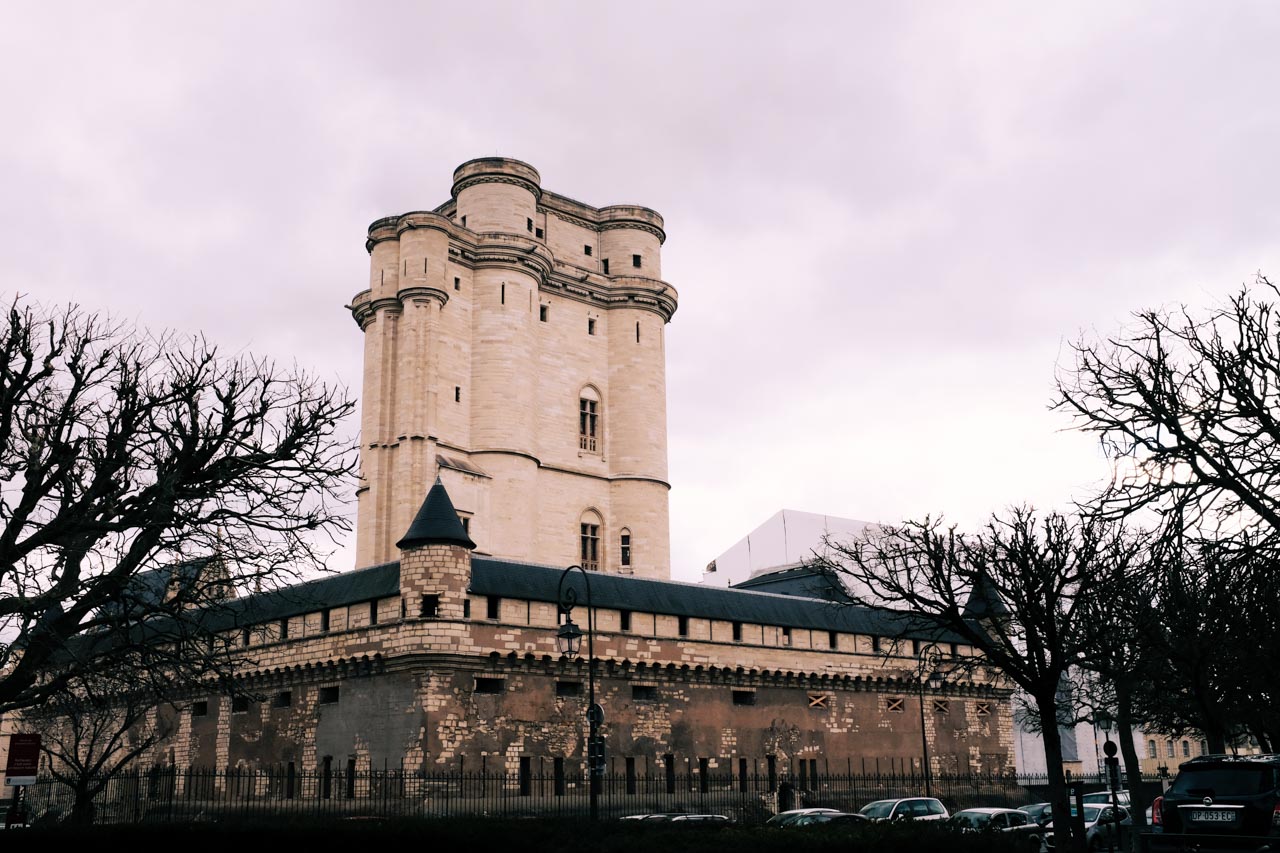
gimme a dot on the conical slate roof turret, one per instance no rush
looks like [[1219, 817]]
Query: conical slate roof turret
[[436, 523], [984, 601]]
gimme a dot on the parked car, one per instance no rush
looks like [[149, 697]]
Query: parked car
[[1040, 813], [910, 808], [828, 819], [1103, 798], [1099, 826], [659, 817], [1013, 821], [787, 817], [1223, 795]]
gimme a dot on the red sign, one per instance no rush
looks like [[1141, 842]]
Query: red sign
[[24, 760]]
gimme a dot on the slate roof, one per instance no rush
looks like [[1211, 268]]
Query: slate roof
[[802, 580], [436, 523], [984, 601]]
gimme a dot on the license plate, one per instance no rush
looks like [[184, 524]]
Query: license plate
[[1213, 816]]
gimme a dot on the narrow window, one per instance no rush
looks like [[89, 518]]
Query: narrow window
[[568, 688], [744, 697], [373, 612], [605, 261], [589, 542], [635, 261], [1186, 749], [528, 225], [591, 325], [406, 267], [466, 608], [737, 632], [1168, 746], [466, 524], [588, 424], [542, 313], [489, 686], [324, 621], [329, 695], [586, 250], [200, 709], [493, 607], [246, 636], [1151, 749], [430, 607], [624, 620], [875, 645], [537, 232], [833, 640], [424, 266], [284, 629], [283, 699], [457, 283], [239, 705], [786, 636], [1204, 748], [503, 295], [464, 222], [683, 624], [637, 331], [955, 650], [915, 648], [643, 693], [457, 393], [624, 547]]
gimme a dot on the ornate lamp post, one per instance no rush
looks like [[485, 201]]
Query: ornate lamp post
[[569, 642], [934, 681], [1105, 723]]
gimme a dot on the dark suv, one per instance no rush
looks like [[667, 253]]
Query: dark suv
[[1221, 802]]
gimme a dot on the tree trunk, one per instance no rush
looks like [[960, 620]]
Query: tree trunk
[[1132, 766], [1063, 824], [82, 808]]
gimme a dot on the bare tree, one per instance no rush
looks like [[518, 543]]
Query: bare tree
[[126, 459], [1017, 592]]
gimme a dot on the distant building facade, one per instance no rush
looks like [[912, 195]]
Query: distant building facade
[[788, 538]]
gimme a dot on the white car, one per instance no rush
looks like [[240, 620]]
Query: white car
[[910, 808], [787, 817]]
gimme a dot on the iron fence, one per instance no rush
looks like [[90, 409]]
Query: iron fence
[[169, 795]]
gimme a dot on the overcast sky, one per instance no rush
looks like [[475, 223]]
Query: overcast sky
[[886, 221]]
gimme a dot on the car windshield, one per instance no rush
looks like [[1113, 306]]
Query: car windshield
[[972, 820], [878, 809], [1223, 781]]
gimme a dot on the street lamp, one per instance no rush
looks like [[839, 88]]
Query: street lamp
[[1105, 722], [569, 642], [935, 682]]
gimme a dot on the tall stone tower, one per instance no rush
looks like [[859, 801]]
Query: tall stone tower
[[514, 348]]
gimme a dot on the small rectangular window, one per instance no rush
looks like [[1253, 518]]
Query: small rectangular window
[[955, 650], [941, 706], [605, 261], [200, 709], [284, 629], [744, 697], [624, 620], [537, 232], [246, 637], [833, 640], [894, 704], [683, 625], [737, 632], [489, 686], [635, 261], [430, 607], [637, 331], [457, 283], [915, 648], [983, 709], [568, 688], [464, 222], [542, 313], [589, 546], [493, 607], [875, 645], [283, 699], [528, 225], [324, 621], [373, 612], [586, 250], [624, 549], [591, 326], [466, 608], [329, 695], [588, 424], [239, 704], [466, 524], [457, 393], [643, 693], [786, 636], [503, 293]]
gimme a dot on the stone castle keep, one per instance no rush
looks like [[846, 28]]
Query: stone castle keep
[[514, 378]]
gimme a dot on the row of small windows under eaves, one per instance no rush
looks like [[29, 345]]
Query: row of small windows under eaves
[[1176, 749]]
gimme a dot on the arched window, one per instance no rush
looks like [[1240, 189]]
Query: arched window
[[589, 541], [589, 432], [624, 548], [1151, 749]]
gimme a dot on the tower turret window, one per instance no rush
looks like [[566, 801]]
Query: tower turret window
[[635, 261], [606, 266], [588, 423], [624, 547], [589, 541], [586, 250]]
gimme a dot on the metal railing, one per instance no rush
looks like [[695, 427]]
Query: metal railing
[[165, 794]]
